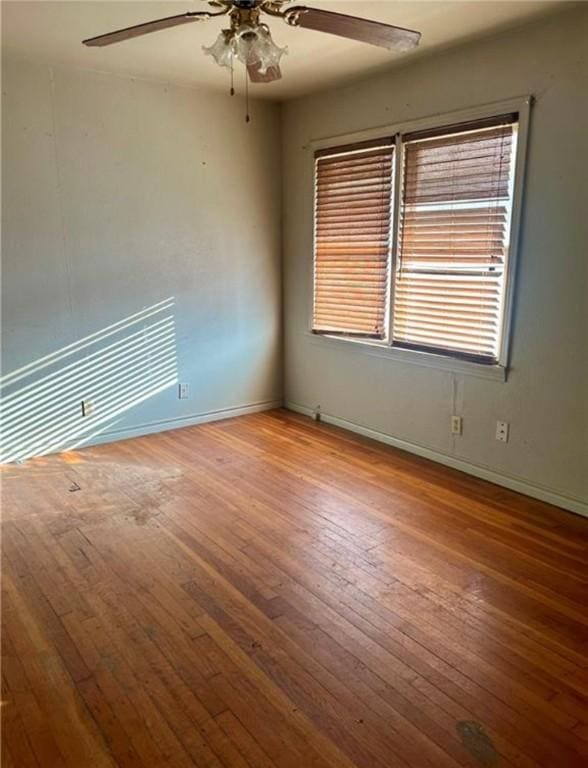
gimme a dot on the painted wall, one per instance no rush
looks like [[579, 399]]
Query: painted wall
[[141, 248], [546, 396]]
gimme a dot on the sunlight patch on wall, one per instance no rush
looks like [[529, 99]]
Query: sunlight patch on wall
[[66, 398]]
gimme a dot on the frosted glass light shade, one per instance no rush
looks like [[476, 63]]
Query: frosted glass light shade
[[263, 51], [223, 50]]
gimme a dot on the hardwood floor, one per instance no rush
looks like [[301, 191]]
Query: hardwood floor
[[267, 592]]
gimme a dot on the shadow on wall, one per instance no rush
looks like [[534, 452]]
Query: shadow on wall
[[65, 399]]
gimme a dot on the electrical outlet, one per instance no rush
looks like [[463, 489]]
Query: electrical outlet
[[87, 408], [456, 425], [184, 391], [502, 429]]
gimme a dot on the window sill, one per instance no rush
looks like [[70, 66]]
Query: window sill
[[410, 357]]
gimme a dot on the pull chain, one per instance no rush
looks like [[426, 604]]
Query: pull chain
[[247, 115], [232, 77]]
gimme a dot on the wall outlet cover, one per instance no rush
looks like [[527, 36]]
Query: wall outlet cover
[[456, 425]]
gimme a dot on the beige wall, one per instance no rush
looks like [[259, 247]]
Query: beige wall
[[118, 195], [546, 396]]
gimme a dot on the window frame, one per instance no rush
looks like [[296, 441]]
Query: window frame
[[386, 347]]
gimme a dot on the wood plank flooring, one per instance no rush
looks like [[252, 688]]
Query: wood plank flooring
[[266, 592]]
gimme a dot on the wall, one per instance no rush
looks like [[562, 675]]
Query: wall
[[141, 248], [546, 396]]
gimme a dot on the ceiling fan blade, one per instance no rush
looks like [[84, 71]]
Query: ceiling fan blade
[[269, 76], [372, 32], [149, 26]]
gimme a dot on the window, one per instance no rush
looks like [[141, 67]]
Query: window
[[434, 280], [352, 239]]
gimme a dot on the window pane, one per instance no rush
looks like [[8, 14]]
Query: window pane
[[352, 241], [453, 242]]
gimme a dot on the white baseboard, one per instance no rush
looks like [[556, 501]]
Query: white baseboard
[[484, 473], [151, 428]]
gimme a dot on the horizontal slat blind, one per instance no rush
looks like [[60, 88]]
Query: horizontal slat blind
[[352, 240], [453, 240]]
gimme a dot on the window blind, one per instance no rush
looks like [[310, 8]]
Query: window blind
[[352, 239], [453, 239]]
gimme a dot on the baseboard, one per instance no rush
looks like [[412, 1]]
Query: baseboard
[[153, 427], [484, 473]]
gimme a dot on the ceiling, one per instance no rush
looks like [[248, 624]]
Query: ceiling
[[52, 31]]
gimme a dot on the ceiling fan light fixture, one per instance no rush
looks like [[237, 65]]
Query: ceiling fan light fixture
[[251, 45]]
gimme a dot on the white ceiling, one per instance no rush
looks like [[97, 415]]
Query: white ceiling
[[53, 31]]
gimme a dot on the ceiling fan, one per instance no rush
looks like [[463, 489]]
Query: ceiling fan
[[249, 39]]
